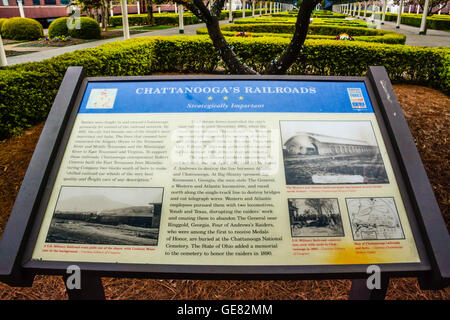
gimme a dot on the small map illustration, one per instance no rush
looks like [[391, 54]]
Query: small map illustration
[[101, 99], [374, 219]]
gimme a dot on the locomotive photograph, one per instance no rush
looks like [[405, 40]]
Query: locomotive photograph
[[331, 152], [107, 216], [315, 218]]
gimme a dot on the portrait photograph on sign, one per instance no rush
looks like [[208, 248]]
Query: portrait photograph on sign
[[331, 152], [107, 216]]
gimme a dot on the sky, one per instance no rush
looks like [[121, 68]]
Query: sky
[[131, 196]]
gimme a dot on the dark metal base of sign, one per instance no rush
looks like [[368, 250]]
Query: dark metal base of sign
[[360, 291], [91, 288]]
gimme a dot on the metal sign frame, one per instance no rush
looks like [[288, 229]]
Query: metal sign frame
[[428, 227]]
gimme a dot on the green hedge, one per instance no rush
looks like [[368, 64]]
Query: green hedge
[[388, 37], [334, 22], [22, 29], [27, 90], [171, 18], [347, 23], [2, 21], [314, 15], [313, 29], [159, 19], [89, 29], [437, 22]]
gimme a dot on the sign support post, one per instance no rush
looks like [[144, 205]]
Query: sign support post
[[360, 291], [91, 288]]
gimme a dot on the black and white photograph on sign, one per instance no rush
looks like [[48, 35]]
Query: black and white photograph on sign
[[374, 219], [315, 218], [331, 152], [107, 216]]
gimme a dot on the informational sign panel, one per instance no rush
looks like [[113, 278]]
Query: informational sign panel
[[229, 173]]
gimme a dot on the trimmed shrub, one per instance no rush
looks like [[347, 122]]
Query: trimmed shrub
[[22, 29], [313, 29], [2, 20], [388, 37], [331, 22], [437, 22], [159, 19], [90, 29], [25, 97], [171, 18], [58, 28], [27, 90], [314, 15]]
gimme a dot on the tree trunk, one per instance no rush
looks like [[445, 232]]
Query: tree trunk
[[105, 15], [151, 19], [235, 65], [280, 65], [290, 54]]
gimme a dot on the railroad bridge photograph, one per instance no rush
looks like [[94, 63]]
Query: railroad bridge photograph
[[107, 216], [331, 152]]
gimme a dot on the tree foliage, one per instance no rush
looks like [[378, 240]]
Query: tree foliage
[[91, 7], [236, 66]]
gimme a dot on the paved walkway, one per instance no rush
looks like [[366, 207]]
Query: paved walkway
[[49, 53], [433, 38]]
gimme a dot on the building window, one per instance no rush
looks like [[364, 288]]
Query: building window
[[64, 2], [36, 2], [5, 3], [50, 2]]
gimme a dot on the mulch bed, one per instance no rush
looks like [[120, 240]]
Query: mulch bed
[[12, 53], [50, 43], [427, 113], [73, 41]]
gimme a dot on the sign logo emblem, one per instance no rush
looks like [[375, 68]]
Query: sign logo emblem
[[356, 98], [101, 99]]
